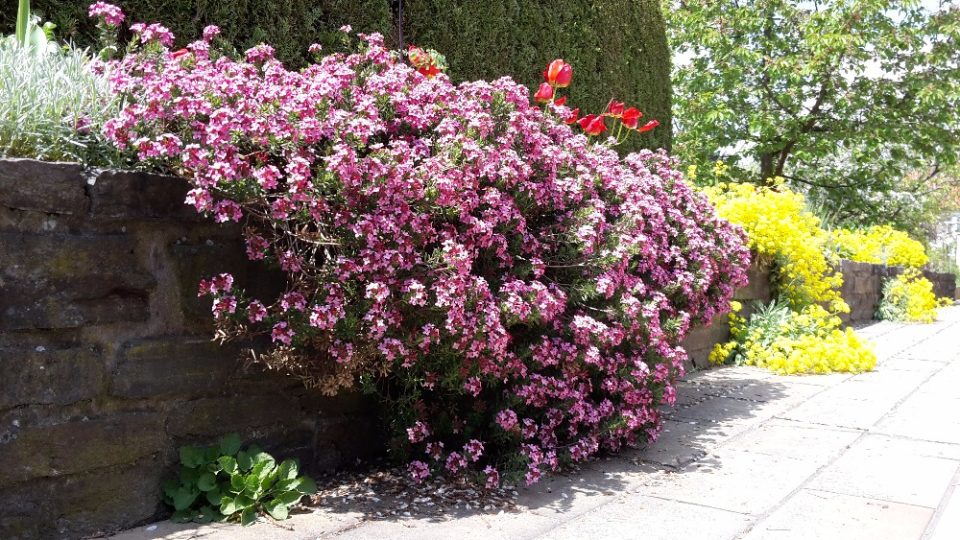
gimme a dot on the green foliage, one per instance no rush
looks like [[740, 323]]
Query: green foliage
[[618, 48], [52, 105], [843, 98], [223, 482]]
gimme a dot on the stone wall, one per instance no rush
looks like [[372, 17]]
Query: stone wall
[[701, 340], [106, 364], [863, 287]]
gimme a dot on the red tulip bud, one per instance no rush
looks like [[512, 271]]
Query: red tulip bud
[[544, 93], [572, 117], [560, 101], [649, 126], [563, 78], [553, 71], [615, 108], [630, 117], [176, 55]]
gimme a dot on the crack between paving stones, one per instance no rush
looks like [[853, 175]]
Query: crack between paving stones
[[942, 507], [864, 433]]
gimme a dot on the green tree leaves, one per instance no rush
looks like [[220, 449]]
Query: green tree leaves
[[843, 98]]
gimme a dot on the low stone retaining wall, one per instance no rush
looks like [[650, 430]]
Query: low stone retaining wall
[[106, 364], [863, 287]]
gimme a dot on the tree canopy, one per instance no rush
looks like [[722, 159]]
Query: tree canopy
[[853, 101]]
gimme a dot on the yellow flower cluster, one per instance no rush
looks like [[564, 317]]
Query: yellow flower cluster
[[801, 332], [808, 341], [780, 229], [910, 297], [880, 244]]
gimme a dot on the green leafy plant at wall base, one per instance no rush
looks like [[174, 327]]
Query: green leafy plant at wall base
[[225, 483]]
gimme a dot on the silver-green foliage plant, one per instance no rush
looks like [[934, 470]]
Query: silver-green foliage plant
[[52, 104], [225, 483]]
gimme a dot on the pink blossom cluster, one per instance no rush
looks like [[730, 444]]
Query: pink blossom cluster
[[111, 14], [521, 288]]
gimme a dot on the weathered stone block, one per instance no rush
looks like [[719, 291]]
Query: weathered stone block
[[180, 365], [211, 417], [68, 281], [103, 501], [80, 446], [56, 188], [38, 376], [128, 195]]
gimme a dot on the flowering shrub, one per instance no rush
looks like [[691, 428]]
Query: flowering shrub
[[801, 334], [516, 291], [781, 231], [909, 297], [788, 341], [879, 244]]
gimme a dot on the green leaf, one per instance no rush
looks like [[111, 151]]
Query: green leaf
[[237, 482], [183, 516], [306, 486], [215, 496], [277, 509], [191, 456], [262, 459], [286, 485], [23, 19], [228, 464], [287, 470], [189, 476], [170, 488], [243, 461], [207, 481], [206, 515], [229, 506], [248, 516], [230, 445], [184, 497], [289, 498]]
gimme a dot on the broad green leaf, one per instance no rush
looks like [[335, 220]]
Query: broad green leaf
[[237, 482], [183, 516], [306, 486], [243, 461], [289, 498], [228, 505], [191, 456], [184, 497], [215, 496], [287, 470], [207, 481], [277, 509], [248, 516], [230, 445], [228, 464]]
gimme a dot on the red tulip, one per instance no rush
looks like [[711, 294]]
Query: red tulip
[[553, 71], [560, 101], [592, 125], [649, 126], [630, 117], [615, 109], [564, 77], [430, 71], [176, 55], [544, 93], [572, 117]]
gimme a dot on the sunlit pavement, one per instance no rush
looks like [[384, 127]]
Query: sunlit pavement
[[744, 454]]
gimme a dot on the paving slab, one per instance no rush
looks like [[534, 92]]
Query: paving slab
[[823, 515], [946, 523], [895, 470], [651, 519], [727, 480], [797, 440]]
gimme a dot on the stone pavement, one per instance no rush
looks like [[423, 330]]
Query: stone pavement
[[745, 454]]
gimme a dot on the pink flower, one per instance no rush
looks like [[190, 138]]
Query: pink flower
[[455, 463], [473, 449], [493, 477], [419, 471], [507, 419], [282, 333], [111, 14], [210, 32], [256, 311], [473, 386], [418, 432]]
